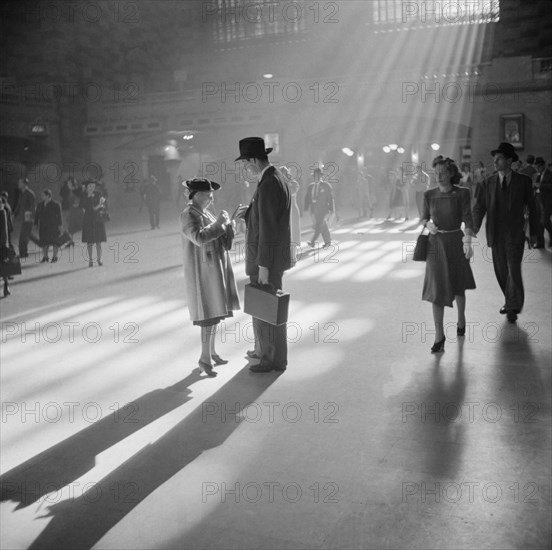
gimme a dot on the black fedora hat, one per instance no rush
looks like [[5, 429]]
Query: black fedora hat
[[507, 149], [540, 161], [202, 184], [253, 148]]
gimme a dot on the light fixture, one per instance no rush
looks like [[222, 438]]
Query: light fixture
[[188, 136], [268, 75], [386, 149], [393, 146], [348, 152], [400, 150], [435, 146]]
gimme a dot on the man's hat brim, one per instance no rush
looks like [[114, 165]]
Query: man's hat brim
[[245, 157], [507, 153]]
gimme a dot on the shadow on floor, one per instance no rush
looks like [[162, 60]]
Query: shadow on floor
[[81, 522]]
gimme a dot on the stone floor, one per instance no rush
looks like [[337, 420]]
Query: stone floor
[[111, 439]]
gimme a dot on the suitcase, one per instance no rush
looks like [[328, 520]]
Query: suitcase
[[262, 302]]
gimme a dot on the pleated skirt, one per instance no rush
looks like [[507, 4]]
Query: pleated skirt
[[448, 272]]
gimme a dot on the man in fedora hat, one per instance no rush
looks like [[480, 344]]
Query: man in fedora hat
[[504, 197], [542, 183], [320, 201], [268, 250]]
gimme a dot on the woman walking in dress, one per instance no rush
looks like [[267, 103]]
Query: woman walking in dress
[[49, 221], [93, 227], [211, 291], [448, 272]]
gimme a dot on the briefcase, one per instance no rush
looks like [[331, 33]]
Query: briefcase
[[264, 303]]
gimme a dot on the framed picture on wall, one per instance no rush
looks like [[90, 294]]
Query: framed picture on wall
[[512, 130]]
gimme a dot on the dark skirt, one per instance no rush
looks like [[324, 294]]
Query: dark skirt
[[93, 230], [448, 272], [48, 234]]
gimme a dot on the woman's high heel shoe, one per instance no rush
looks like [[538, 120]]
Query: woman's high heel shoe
[[461, 331], [6, 289], [218, 359], [438, 347], [206, 368]]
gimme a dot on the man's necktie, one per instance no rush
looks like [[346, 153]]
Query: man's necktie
[[503, 183]]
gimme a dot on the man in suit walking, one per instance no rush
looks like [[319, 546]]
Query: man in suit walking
[[268, 247], [152, 199], [542, 183], [504, 198], [26, 205], [320, 201]]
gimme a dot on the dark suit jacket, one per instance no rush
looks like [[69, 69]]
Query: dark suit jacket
[[267, 220], [521, 197], [26, 203], [546, 183], [322, 204]]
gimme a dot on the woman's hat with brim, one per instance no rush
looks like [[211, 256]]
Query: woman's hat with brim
[[253, 148], [507, 149], [202, 184]]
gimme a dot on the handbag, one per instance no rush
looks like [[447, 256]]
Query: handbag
[[63, 239], [10, 263], [102, 215], [420, 251], [267, 304]]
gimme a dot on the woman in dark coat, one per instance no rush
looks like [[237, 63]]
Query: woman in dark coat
[[448, 271], [6, 228], [210, 286], [50, 225], [93, 228]]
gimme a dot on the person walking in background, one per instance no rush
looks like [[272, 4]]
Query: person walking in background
[[152, 199], [211, 292], [479, 176], [398, 198], [466, 179], [267, 253], [542, 184], [65, 194], [295, 219], [503, 198], [4, 197], [6, 249], [74, 222], [49, 221], [364, 197], [141, 191], [93, 227], [448, 272], [319, 200], [528, 167], [25, 206], [420, 183]]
